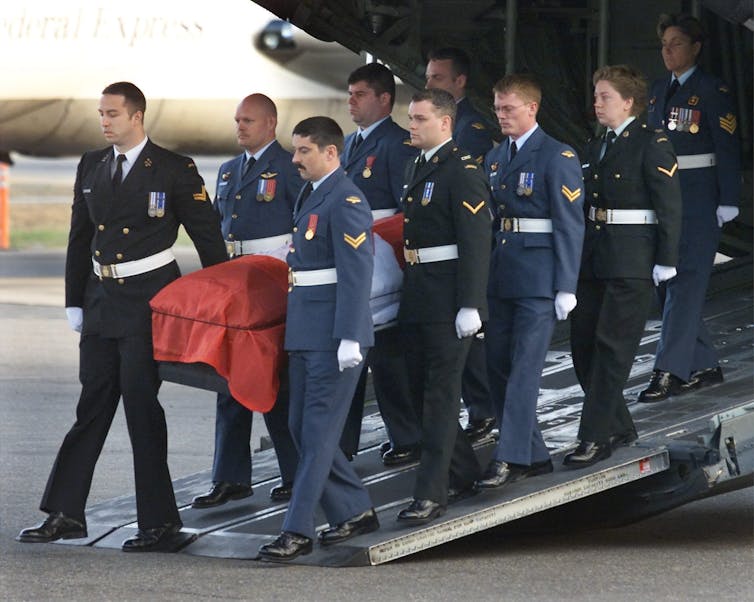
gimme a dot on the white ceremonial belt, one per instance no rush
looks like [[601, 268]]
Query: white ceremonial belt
[[525, 224], [623, 216], [133, 268], [696, 161], [312, 277], [380, 213], [430, 254], [256, 245]]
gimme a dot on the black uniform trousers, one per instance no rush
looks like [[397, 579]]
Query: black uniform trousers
[[475, 387], [233, 422], [606, 329], [109, 368], [436, 359]]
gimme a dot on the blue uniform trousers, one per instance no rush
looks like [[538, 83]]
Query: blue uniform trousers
[[685, 345], [518, 335], [232, 461], [320, 400]]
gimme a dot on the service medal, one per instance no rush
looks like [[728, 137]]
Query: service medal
[[311, 227], [156, 204], [694, 128], [367, 173], [672, 124], [427, 194]]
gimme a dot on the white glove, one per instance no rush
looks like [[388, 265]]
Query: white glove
[[725, 213], [564, 304], [349, 355], [468, 322], [661, 273], [75, 317]]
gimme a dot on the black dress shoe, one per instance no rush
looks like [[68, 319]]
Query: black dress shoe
[[56, 526], [623, 439], [221, 493], [458, 494], [420, 512], [281, 493], [587, 453], [701, 378], [287, 546], [500, 473], [661, 386], [385, 446], [396, 456], [476, 430], [366, 522], [155, 539]]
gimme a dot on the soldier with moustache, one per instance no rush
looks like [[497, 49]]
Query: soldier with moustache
[[255, 196], [327, 335], [697, 112], [129, 200], [633, 225], [539, 230], [447, 243], [375, 158], [448, 69]]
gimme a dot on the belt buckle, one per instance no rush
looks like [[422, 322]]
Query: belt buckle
[[107, 271], [507, 224], [411, 256], [230, 247], [291, 281], [600, 215]]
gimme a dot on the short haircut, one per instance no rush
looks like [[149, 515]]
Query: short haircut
[[323, 131], [378, 77], [689, 26], [460, 62], [134, 98], [264, 102], [524, 85], [442, 101], [627, 81]]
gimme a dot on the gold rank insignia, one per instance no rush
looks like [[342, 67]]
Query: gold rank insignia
[[662, 139], [268, 175], [407, 142], [201, 196], [355, 241], [435, 159], [724, 89], [470, 166], [569, 194], [729, 123], [693, 101], [147, 162], [353, 199], [668, 172], [477, 126], [472, 208], [465, 157], [625, 133], [568, 154]]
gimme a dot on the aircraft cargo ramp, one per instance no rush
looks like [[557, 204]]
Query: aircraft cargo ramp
[[689, 447]]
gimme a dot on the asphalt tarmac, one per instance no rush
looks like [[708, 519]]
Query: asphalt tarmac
[[701, 550]]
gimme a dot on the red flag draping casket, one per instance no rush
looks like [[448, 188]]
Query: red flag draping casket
[[232, 317]]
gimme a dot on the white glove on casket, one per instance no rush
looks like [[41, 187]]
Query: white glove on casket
[[725, 213], [564, 304], [349, 354], [661, 273], [75, 317], [468, 322]]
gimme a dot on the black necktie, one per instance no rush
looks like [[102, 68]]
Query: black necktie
[[356, 144], [421, 162], [303, 195], [514, 149], [248, 165], [672, 89], [607, 141], [118, 175]]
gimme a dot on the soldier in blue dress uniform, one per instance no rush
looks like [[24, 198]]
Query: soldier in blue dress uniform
[[255, 195], [375, 157], [328, 333], [697, 112], [537, 188], [448, 69]]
